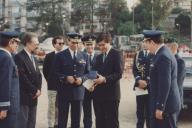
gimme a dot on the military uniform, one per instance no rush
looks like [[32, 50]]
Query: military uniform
[[70, 63], [164, 92], [141, 68], [88, 98], [9, 87]]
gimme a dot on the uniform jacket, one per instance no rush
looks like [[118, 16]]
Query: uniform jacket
[[30, 79], [66, 66], [48, 71], [111, 69], [144, 61], [180, 75], [9, 83], [163, 82]]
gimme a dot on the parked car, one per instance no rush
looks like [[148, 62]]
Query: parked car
[[187, 85]]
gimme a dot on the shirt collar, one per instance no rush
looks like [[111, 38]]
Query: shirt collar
[[72, 52], [159, 48], [5, 50], [28, 53], [108, 50]]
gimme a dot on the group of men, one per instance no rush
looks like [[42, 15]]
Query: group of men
[[65, 72], [20, 81], [158, 83], [159, 74]]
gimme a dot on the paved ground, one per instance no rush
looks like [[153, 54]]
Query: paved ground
[[127, 108]]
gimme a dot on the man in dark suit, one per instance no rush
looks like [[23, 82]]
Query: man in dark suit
[[89, 42], [181, 72], [70, 68], [52, 81], [106, 96], [9, 80], [141, 68], [30, 81], [164, 92]]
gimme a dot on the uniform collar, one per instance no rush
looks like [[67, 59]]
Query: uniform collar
[[5, 50], [159, 48]]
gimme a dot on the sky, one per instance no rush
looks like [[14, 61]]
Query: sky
[[130, 3]]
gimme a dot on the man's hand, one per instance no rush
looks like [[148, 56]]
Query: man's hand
[[38, 93], [70, 79], [100, 80], [3, 114], [78, 81], [159, 114], [142, 84]]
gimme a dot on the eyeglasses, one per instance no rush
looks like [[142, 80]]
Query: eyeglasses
[[146, 39], [17, 41], [74, 42], [61, 43]]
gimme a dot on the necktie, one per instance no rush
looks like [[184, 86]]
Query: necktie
[[90, 60], [33, 61], [104, 57], [74, 56]]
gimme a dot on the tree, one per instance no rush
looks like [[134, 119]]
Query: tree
[[143, 13], [48, 15], [83, 13]]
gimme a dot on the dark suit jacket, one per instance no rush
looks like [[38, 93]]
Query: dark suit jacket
[[48, 71], [180, 75], [30, 79], [112, 70], [9, 83], [64, 66], [163, 77]]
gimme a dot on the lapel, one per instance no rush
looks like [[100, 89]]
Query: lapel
[[28, 61], [108, 56]]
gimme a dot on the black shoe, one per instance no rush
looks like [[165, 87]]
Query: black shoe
[[56, 126]]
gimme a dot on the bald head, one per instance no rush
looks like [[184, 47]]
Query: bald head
[[173, 47]]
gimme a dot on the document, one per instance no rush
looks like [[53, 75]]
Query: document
[[89, 85], [139, 91]]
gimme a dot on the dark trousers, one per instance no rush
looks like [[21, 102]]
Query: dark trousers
[[107, 113], [87, 110], [143, 112], [63, 110], [27, 116], [10, 121], [169, 122]]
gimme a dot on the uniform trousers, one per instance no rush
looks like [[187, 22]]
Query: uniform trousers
[[10, 121], [170, 121], [143, 113], [63, 110]]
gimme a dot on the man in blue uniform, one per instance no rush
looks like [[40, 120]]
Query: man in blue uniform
[[70, 68], [9, 81], [181, 72], [89, 42], [164, 93], [141, 66]]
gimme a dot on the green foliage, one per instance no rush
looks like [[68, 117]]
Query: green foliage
[[143, 13]]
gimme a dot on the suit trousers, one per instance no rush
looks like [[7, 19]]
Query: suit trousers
[[170, 121], [63, 110], [10, 121], [107, 113], [143, 113], [87, 110], [52, 114], [27, 116]]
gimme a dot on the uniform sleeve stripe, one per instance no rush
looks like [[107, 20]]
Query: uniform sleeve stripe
[[2, 104]]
